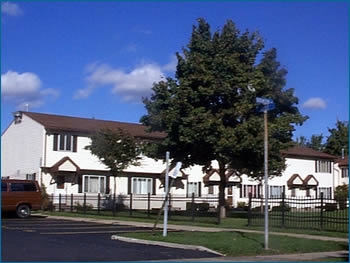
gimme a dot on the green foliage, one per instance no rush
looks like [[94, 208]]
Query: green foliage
[[79, 207], [241, 204], [336, 143], [209, 110], [341, 194], [45, 199], [338, 139], [282, 207], [115, 148]]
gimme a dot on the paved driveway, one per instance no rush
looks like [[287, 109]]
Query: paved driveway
[[45, 239]]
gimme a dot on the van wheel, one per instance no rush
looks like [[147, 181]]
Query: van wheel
[[23, 211]]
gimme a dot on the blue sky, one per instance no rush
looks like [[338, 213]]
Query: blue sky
[[97, 59]]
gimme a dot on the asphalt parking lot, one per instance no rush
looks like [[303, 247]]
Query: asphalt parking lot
[[45, 239]]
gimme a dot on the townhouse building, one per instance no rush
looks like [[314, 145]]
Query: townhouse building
[[52, 150]]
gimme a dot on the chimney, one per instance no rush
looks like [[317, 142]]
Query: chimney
[[18, 117]]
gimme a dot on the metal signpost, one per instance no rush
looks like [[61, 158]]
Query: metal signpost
[[167, 188], [266, 105]]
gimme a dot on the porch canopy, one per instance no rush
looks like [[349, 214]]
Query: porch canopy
[[213, 178]]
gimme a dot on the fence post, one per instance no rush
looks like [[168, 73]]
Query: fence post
[[249, 209], [148, 204], [321, 214], [98, 203], [59, 202], [84, 204], [169, 206], [130, 209], [283, 209], [192, 207], [71, 202], [113, 205]]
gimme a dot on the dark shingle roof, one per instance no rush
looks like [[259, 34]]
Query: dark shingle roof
[[343, 161], [85, 125], [301, 151]]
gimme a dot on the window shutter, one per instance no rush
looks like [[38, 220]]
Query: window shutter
[[55, 142], [75, 141], [153, 187], [129, 184], [199, 189], [187, 189]]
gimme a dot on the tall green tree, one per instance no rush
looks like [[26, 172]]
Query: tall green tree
[[116, 149], [338, 140], [209, 110], [315, 142]]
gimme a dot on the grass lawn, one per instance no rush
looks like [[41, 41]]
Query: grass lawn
[[232, 223], [243, 244], [232, 243]]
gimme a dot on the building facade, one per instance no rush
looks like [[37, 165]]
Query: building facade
[[52, 150]]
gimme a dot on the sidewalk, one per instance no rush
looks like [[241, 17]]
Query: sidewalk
[[260, 258]]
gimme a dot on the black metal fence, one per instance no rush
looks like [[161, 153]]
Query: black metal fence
[[285, 212], [132, 205], [322, 214]]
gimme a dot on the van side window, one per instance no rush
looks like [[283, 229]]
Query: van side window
[[21, 187], [3, 187]]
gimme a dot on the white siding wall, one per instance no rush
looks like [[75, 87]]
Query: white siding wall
[[83, 158], [22, 149]]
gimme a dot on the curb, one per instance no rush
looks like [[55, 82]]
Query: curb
[[166, 244]]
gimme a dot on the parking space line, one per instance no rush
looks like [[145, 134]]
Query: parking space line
[[87, 232]]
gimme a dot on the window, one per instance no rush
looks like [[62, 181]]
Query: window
[[60, 180], [94, 184], [21, 187], [211, 189], [141, 185], [323, 166], [3, 187], [345, 172], [275, 191], [65, 142], [253, 189], [30, 176], [193, 187], [327, 192], [293, 192]]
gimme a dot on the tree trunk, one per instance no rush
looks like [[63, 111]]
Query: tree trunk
[[222, 187]]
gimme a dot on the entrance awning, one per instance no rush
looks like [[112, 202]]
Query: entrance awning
[[295, 181], [213, 178], [66, 164]]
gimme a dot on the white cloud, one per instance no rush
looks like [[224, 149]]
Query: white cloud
[[24, 88], [171, 66], [130, 86], [11, 9], [315, 104]]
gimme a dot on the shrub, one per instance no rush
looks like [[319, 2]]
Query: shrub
[[197, 206], [282, 207], [241, 204], [330, 207], [79, 207], [341, 194]]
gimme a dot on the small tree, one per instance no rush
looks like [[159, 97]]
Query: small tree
[[341, 194], [116, 149]]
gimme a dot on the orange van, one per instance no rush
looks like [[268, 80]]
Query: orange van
[[20, 196]]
